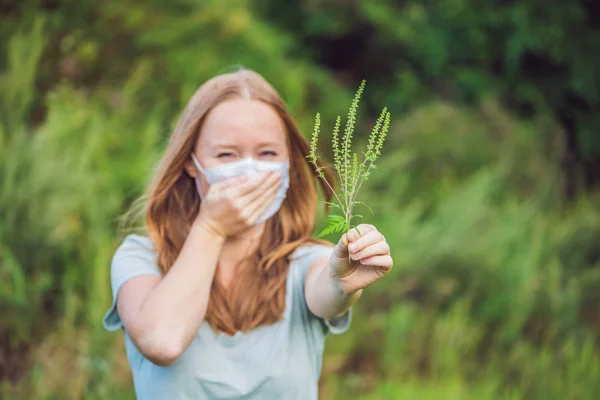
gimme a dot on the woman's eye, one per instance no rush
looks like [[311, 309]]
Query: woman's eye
[[224, 155], [268, 153]]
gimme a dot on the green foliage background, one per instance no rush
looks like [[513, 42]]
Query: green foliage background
[[486, 189]]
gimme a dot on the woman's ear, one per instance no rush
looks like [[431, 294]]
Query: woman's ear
[[191, 169]]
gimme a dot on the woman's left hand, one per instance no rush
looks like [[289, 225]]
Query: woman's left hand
[[360, 259]]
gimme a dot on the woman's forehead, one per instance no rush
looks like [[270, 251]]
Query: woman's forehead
[[239, 121]]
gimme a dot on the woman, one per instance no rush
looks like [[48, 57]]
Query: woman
[[228, 296]]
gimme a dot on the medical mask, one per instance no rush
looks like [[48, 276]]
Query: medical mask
[[250, 168]]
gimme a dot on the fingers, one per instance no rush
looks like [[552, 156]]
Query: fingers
[[341, 250], [273, 180], [380, 248], [371, 237], [379, 261], [228, 183], [247, 186], [363, 228], [260, 204]]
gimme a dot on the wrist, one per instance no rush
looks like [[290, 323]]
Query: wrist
[[200, 224], [340, 286]]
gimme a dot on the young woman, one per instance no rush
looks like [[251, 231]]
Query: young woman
[[227, 296]]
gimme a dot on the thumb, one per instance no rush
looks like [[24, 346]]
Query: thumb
[[229, 182], [341, 250]]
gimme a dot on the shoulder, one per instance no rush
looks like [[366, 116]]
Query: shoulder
[[135, 246], [135, 255], [306, 254], [137, 242], [311, 251]]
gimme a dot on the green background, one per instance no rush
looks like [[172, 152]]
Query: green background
[[486, 189]]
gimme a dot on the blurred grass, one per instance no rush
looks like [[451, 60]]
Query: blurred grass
[[494, 293]]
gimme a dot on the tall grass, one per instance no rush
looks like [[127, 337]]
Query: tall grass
[[494, 293], [491, 294]]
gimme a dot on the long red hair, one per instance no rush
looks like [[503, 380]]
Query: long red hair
[[257, 295]]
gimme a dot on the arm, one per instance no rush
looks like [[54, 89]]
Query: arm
[[162, 316], [333, 285], [324, 296]]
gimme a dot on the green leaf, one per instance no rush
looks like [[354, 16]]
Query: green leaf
[[323, 233], [337, 226], [326, 231], [336, 218], [330, 204], [360, 202], [340, 227]]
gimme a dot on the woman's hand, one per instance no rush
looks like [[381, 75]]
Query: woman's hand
[[360, 260], [234, 205]]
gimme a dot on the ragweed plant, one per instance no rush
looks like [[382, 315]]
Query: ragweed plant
[[351, 169]]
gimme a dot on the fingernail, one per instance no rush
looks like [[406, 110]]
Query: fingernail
[[344, 240], [351, 247]]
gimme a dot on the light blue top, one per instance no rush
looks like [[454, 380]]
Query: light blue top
[[279, 361]]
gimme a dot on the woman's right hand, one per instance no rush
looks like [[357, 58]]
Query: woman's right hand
[[234, 205]]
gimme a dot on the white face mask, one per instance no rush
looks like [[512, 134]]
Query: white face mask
[[250, 168]]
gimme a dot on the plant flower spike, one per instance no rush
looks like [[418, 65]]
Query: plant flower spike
[[352, 171]]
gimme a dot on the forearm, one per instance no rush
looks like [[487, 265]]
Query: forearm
[[323, 294], [175, 308]]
